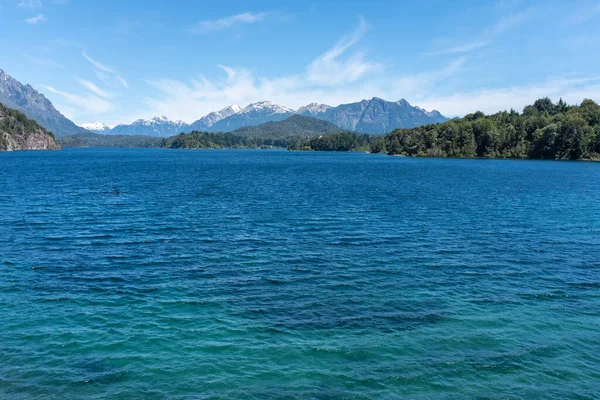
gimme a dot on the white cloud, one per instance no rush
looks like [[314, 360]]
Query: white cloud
[[93, 88], [105, 73], [208, 26], [331, 69], [30, 3], [36, 20]]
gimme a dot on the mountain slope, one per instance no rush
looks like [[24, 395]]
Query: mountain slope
[[252, 115], [34, 105], [17, 132], [375, 116], [156, 127], [313, 110], [209, 120], [296, 125]]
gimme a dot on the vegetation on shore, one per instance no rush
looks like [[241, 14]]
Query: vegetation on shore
[[100, 140], [543, 130], [17, 132], [343, 141]]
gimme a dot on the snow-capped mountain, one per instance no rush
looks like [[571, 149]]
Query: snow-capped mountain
[[34, 105], [96, 127], [252, 115], [313, 109], [209, 120], [158, 127]]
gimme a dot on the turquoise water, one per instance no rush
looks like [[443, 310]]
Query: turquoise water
[[266, 274]]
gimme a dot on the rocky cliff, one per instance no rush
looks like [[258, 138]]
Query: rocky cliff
[[17, 132]]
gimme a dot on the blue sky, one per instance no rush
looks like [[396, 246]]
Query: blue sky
[[115, 61]]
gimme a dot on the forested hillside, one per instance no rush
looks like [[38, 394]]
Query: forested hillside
[[543, 130]]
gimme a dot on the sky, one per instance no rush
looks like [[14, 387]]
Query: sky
[[115, 61]]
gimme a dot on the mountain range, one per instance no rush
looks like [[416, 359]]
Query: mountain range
[[158, 126], [375, 116]]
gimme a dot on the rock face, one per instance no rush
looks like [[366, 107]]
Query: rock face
[[375, 116], [35, 105], [17, 132]]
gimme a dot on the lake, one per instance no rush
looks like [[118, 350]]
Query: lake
[[257, 274]]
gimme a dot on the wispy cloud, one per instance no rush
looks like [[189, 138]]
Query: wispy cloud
[[331, 68], [461, 48], [583, 14], [83, 104], [36, 20], [30, 3], [104, 72], [93, 88], [484, 39], [44, 62], [97, 64], [510, 21], [207, 26]]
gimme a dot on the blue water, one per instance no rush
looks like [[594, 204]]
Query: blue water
[[163, 274]]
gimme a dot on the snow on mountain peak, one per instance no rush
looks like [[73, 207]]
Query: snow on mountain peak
[[266, 105], [313, 108], [235, 108], [95, 126]]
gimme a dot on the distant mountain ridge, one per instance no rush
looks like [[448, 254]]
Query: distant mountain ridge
[[157, 127], [34, 105], [375, 116]]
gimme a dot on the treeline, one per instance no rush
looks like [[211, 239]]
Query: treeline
[[15, 122], [99, 140], [343, 141], [225, 140], [543, 130]]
